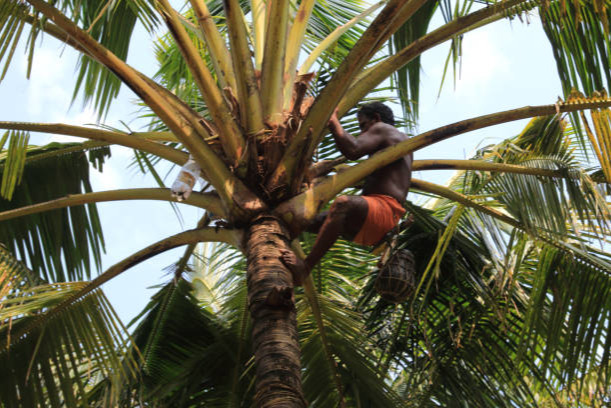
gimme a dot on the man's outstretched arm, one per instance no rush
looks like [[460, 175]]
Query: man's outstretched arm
[[353, 148]]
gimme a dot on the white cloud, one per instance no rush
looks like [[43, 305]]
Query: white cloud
[[80, 118], [46, 91], [110, 179], [86, 117], [48, 95], [116, 175]]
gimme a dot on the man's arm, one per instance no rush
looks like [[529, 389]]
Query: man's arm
[[353, 148]]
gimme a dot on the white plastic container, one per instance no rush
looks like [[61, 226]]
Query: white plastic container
[[184, 183]]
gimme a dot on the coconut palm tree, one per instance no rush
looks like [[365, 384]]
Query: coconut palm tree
[[511, 306]]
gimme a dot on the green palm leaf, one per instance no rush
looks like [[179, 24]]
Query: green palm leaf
[[444, 339], [12, 22], [579, 34], [516, 307], [326, 17], [362, 382], [112, 23], [71, 236], [408, 77], [543, 205], [508, 312], [180, 342], [183, 335], [52, 365], [13, 161]]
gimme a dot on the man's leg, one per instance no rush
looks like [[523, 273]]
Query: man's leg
[[315, 226], [346, 216]]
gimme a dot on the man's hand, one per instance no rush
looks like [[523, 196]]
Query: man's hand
[[333, 123], [295, 265]]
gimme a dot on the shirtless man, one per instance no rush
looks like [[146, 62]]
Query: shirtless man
[[362, 219]]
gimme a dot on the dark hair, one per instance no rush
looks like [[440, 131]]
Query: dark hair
[[370, 110]]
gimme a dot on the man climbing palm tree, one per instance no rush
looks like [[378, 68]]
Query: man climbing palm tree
[[362, 219]]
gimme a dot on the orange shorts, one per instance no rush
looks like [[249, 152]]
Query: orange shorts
[[383, 214]]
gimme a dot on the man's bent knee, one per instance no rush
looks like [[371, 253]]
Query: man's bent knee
[[346, 206], [351, 212], [341, 206]]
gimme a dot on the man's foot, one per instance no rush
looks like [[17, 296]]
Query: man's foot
[[295, 265], [281, 297]]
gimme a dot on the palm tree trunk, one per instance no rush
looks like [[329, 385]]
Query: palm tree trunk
[[272, 306]]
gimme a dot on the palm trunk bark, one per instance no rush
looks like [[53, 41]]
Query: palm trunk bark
[[272, 306]]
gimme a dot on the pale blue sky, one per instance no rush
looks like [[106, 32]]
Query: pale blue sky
[[506, 66]]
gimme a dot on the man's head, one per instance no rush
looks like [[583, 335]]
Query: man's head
[[374, 112]]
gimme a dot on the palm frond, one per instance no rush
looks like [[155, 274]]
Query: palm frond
[[189, 353], [600, 139], [440, 342], [332, 31], [175, 76], [232, 289], [211, 273], [408, 77], [181, 337], [97, 83], [12, 22], [53, 365], [13, 161], [110, 23], [579, 34], [352, 354], [568, 334], [342, 270], [15, 275], [556, 206], [507, 303], [69, 236]]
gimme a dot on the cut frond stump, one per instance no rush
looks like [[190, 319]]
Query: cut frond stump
[[396, 279]]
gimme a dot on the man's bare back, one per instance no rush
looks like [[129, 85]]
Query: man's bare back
[[390, 180]]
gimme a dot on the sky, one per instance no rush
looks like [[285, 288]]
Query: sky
[[505, 66]]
